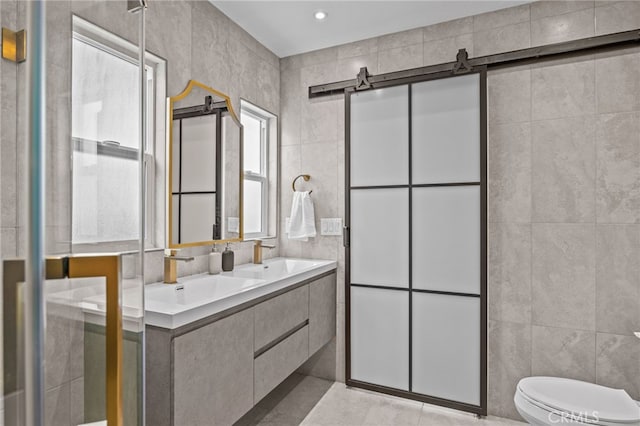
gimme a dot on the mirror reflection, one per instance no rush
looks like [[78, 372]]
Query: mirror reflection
[[205, 168]]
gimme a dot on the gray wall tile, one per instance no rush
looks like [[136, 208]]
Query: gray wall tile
[[617, 85], [445, 49], [612, 17], [400, 39], [565, 27], [617, 363], [563, 170], [500, 18], [448, 29], [618, 278], [509, 96], [56, 406], [618, 168], [358, 48], [400, 58], [510, 173], [320, 161], [563, 352], [502, 39], [319, 121], [8, 242], [542, 9], [509, 361], [510, 272], [564, 90], [77, 402], [57, 347], [563, 280], [348, 68]]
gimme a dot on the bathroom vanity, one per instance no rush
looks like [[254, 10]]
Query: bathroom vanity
[[218, 344]]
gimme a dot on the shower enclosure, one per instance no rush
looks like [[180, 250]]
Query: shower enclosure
[[416, 253], [72, 325]]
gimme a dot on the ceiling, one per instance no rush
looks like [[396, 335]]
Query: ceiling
[[289, 27]]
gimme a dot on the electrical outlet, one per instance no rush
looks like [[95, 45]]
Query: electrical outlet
[[331, 226]]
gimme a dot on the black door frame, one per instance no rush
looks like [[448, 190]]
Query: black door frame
[[480, 409]]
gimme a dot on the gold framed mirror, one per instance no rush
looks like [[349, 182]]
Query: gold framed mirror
[[205, 168]]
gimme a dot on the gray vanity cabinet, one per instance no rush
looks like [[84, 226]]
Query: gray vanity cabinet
[[322, 312], [213, 372], [276, 317], [275, 365]]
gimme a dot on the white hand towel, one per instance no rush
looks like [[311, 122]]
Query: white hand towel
[[302, 221]]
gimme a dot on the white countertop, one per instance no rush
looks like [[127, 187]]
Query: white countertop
[[199, 296]]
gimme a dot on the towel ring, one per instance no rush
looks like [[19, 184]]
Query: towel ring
[[306, 179]]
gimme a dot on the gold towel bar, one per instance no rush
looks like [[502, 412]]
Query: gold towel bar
[[306, 179]]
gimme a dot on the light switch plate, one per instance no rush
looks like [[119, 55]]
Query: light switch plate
[[331, 226], [287, 225], [233, 224]]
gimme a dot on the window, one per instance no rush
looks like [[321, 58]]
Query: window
[[259, 126], [105, 138]]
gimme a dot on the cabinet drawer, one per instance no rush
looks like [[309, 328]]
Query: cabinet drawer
[[275, 365], [279, 315], [322, 312], [212, 372]]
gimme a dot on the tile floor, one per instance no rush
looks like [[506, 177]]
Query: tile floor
[[309, 401]]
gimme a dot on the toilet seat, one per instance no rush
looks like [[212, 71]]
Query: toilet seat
[[553, 398]]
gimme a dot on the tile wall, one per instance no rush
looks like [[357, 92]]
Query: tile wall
[[564, 186]]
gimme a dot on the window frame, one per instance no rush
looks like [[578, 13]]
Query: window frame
[[265, 118], [155, 67]]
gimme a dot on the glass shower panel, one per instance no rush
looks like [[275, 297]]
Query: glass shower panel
[[446, 130], [380, 336], [379, 137], [446, 238], [446, 347], [380, 237], [77, 107], [75, 333]]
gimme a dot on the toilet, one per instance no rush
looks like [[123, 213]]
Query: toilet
[[557, 401]]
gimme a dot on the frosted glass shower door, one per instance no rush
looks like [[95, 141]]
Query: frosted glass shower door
[[379, 142], [447, 245], [416, 255]]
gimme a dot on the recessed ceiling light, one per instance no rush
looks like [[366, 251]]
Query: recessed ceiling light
[[320, 15]]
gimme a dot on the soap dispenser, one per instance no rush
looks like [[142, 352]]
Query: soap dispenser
[[227, 259], [215, 261]]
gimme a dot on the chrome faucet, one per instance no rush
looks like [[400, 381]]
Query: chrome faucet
[[257, 251], [171, 266]]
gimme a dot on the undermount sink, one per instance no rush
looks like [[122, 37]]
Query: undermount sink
[[275, 268], [197, 290]]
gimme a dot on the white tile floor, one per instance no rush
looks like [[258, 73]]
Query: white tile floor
[[309, 401], [349, 406]]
